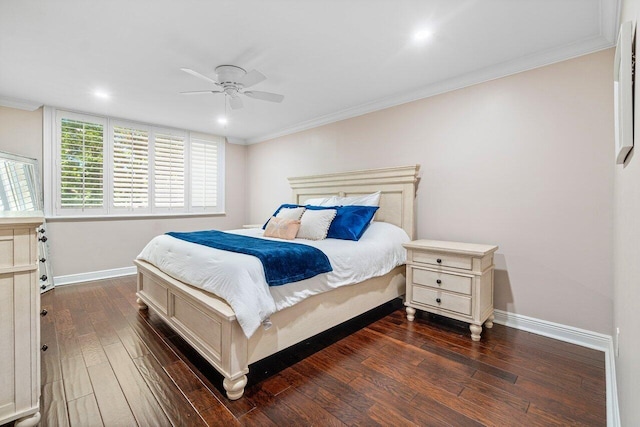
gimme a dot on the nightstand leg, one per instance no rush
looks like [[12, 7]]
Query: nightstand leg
[[489, 322], [476, 330], [411, 314]]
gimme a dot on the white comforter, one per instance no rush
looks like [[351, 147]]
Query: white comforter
[[239, 279]]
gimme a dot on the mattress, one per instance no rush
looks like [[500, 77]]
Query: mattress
[[239, 279]]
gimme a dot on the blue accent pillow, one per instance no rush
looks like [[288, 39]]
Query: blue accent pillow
[[285, 205], [350, 222]]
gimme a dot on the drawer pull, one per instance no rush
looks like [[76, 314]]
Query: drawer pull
[[43, 259], [41, 230], [438, 300], [43, 287], [43, 277], [439, 261], [439, 282], [43, 238], [45, 347], [43, 312]]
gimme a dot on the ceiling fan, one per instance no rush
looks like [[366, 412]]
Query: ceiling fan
[[233, 82]]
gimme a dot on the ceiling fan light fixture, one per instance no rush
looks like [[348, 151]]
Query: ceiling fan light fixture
[[233, 82]]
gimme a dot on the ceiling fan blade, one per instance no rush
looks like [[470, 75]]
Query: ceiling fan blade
[[235, 103], [198, 92], [265, 96], [251, 78], [200, 76]]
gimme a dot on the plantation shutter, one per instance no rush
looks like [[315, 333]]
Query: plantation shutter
[[169, 171], [204, 174], [130, 168], [81, 164]]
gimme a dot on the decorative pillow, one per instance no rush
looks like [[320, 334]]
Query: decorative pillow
[[282, 228], [350, 222], [315, 223], [291, 213], [318, 201], [283, 206], [372, 199]]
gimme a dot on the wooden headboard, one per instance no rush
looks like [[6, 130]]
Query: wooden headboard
[[397, 186]]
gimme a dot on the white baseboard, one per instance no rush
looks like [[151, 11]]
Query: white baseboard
[[93, 275], [576, 336]]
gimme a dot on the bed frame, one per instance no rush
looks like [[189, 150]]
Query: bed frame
[[209, 324]]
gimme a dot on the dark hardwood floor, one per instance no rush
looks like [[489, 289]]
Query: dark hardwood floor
[[108, 364]]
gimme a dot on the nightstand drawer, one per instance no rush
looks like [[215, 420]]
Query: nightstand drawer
[[443, 281], [456, 303], [443, 260]]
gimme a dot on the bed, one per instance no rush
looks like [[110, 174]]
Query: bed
[[210, 325]]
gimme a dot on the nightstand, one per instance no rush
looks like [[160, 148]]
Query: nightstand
[[453, 280]]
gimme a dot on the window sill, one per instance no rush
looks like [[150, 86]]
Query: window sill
[[130, 217]]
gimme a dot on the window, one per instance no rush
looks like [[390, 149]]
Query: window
[[169, 171], [99, 166], [130, 168]]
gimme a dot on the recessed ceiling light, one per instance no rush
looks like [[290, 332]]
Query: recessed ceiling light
[[101, 94], [422, 35], [223, 120]]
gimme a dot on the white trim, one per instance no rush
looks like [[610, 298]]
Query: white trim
[[613, 410], [20, 104], [93, 275], [570, 334], [557, 331]]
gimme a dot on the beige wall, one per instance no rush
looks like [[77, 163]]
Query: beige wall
[[626, 250], [88, 246], [524, 162], [21, 133]]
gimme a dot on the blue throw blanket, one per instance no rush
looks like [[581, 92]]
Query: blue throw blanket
[[283, 262]]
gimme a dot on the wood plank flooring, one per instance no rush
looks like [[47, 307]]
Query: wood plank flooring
[[108, 364]]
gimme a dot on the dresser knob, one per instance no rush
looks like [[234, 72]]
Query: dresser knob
[[43, 259], [43, 238], [438, 300], [439, 261], [43, 277], [43, 312], [438, 281], [43, 287], [41, 230], [45, 347]]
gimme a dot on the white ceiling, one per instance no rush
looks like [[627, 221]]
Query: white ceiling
[[331, 59]]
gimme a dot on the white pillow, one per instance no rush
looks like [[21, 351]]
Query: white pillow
[[291, 213], [318, 201], [314, 224], [372, 199]]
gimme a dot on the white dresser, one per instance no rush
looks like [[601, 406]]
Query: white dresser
[[451, 279], [19, 318]]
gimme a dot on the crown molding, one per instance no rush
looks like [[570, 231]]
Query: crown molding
[[480, 76], [20, 104]]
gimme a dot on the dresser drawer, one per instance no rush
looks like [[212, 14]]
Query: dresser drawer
[[443, 260], [443, 281], [429, 296]]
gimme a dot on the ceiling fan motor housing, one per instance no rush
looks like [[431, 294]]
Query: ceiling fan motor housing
[[230, 74]]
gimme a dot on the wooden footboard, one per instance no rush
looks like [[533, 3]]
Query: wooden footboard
[[209, 324]]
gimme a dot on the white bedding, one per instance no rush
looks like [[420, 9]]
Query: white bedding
[[239, 279]]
